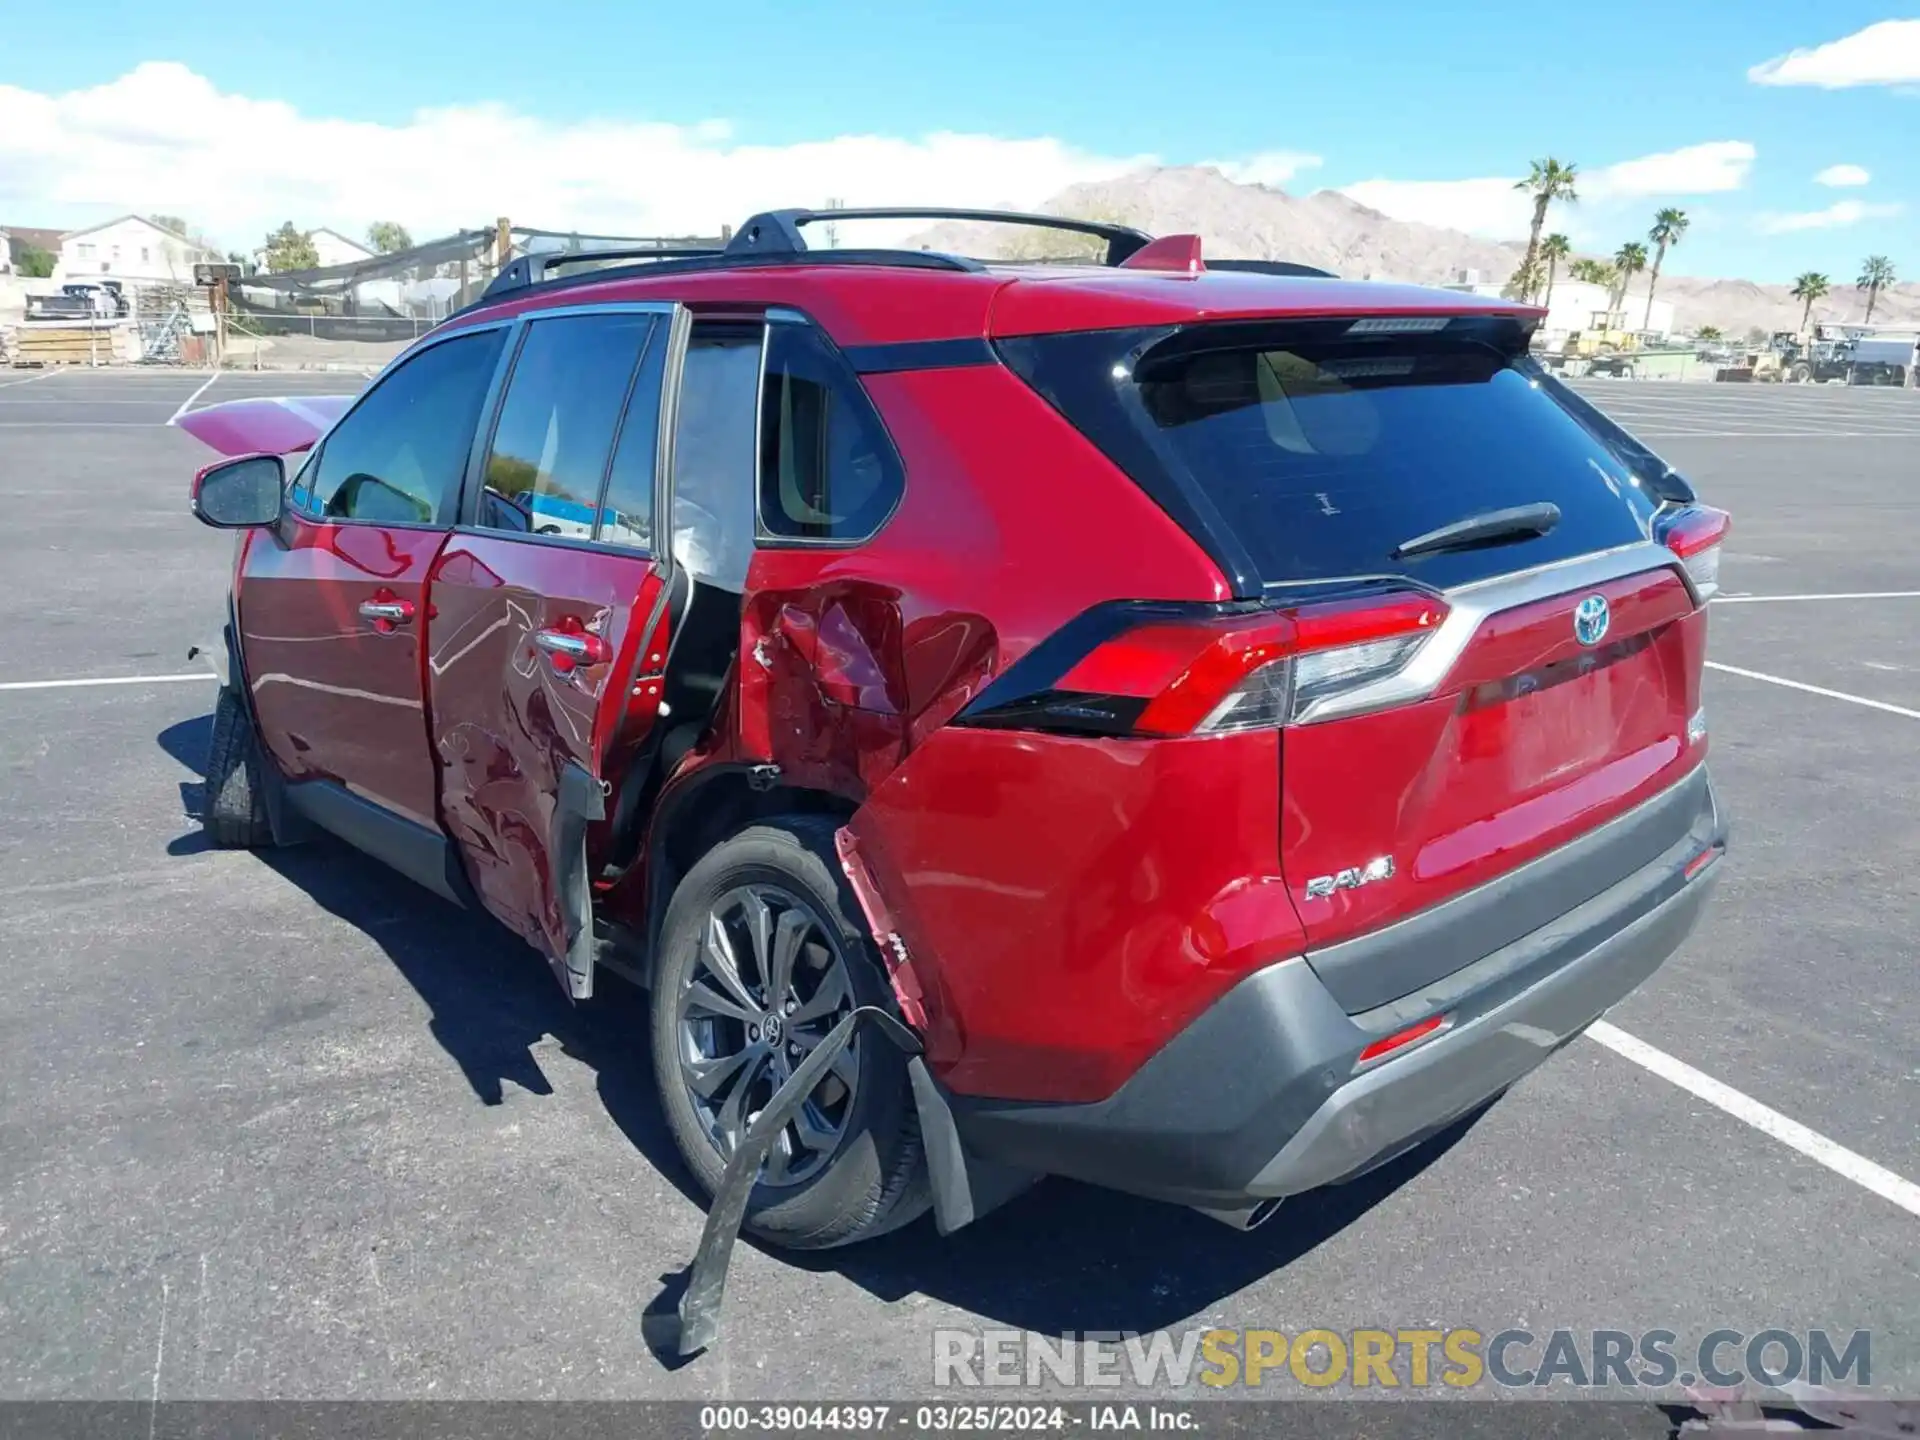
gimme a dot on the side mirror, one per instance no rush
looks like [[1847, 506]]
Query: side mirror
[[237, 494]]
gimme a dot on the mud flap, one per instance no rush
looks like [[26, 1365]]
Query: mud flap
[[965, 1187], [677, 1333], [581, 801]]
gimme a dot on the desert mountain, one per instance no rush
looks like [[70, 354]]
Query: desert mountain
[[1331, 231]]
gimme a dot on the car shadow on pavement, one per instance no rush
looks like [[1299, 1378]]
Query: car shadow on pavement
[[187, 743], [1066, 1256], [1062, 1256]]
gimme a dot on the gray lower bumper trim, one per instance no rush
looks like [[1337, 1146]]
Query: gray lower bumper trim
[[1372, 1114]]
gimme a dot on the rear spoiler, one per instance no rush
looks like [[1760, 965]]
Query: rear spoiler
[[273, 425]]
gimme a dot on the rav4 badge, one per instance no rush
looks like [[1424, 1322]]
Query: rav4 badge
[[1352, 878]]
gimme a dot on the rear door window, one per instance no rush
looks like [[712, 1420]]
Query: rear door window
[[626, 509], [1323, 454], [555, 436]]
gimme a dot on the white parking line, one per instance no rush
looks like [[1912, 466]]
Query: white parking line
[[1847, 595], [1791, 1133], [104, 680], [32, 400], [1816, 690], [9, 384], [184, 404]]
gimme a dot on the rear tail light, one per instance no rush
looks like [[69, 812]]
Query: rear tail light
[[1223, 675], [1695, 533]]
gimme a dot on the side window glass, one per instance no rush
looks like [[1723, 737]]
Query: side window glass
[[827, 468], [556, 429], [398, 456], [626, 509], [713, 453]]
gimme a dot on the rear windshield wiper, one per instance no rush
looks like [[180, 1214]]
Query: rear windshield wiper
[[1495, 527]]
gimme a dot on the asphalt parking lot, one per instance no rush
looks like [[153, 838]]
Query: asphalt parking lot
[[288, 1127]]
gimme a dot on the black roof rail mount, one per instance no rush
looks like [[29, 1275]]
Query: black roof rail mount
[[525, 270], [777, 232], [1272, 267]]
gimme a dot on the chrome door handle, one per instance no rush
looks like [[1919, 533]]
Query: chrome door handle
[[568, 648], [385, 614]]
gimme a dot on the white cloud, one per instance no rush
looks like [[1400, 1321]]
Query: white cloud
[[1887, 53], [162, 138], [1705, 169], [1841, 176], [1834, 217], [1276, 167], [1491, 207]]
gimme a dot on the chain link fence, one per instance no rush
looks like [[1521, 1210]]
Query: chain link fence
[[358, 316]]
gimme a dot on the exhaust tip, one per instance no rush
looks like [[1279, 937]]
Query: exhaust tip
[[1244, 1217]]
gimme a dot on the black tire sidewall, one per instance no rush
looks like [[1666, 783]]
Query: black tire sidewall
[[235, 809], [862, 1182]]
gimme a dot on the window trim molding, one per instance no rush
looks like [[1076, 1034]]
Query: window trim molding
[[765, 538]]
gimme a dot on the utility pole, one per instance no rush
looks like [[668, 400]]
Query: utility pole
[[833, 230], [220, 321], [502, 244]]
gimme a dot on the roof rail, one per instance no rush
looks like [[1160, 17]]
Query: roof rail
[[525, 270], [777, 232], [511, 280], [773, 238]]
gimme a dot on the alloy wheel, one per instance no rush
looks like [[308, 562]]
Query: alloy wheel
[[769, 980]]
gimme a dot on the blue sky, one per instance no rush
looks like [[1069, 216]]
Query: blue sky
[[681, 115]]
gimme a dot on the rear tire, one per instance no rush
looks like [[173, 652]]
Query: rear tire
[[235, 815], [783, 876]]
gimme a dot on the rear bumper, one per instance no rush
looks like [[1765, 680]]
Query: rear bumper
[[1264, 1095]]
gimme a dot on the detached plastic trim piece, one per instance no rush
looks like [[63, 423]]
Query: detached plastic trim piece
[[680, 1333]]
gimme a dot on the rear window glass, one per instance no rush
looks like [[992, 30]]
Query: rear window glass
[[1321, 457]]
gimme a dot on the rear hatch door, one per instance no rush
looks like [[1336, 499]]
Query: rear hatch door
[[1335, 458]]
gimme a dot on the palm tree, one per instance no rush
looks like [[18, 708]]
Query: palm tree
[[1876, 274], [1553, 250], [1547, 181], [1628, 261], [1810, 287], [1594, 272], [1668, 226], [1707, 332]]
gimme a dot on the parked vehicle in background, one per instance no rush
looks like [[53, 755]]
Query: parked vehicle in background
[[79, 300], [1878, 359], [1860, 359], [1239, 723]]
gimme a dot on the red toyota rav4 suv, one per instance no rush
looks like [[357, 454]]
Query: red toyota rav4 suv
[[1239, 720]]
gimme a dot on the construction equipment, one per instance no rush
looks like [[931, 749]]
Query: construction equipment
[[1855, 360]]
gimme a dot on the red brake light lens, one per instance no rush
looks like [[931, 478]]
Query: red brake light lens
[[1695, 535], [1231, 674]]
